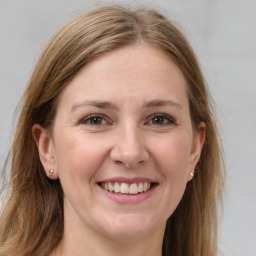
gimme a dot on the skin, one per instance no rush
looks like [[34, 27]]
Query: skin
[[126, 140]]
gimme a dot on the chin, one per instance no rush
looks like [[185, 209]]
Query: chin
[[129, 228]]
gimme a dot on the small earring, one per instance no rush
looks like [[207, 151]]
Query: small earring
[[192, 174], [51, 172]]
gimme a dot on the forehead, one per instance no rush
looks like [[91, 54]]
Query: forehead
[[135, 71]]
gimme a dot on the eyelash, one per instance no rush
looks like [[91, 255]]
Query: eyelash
[[91, 117], [165, 118], [170, 120]]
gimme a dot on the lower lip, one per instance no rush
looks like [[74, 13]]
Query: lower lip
[[128, 199]]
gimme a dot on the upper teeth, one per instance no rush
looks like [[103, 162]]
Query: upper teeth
[[125, 188]]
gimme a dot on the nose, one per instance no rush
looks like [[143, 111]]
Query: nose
[[129, 148]]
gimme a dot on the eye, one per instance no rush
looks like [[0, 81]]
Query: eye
[[94, 120], [160, 120]]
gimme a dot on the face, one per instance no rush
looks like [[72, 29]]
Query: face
[[122, 144]]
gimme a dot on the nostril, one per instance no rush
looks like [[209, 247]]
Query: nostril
[[128, 165], [118, 162]]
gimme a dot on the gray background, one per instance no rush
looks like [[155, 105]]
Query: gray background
[[223, 34]]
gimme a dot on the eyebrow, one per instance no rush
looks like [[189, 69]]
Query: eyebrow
[[109, 105], [93, 103], [161, 103]]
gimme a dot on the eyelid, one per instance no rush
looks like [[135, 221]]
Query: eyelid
[[87, 118], [171, 120]]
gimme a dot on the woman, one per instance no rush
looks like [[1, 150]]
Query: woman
[[116, 149]]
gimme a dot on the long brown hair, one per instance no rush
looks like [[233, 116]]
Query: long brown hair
[[31, 221]]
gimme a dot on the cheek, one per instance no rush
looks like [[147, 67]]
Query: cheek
[[173, 163], [173, 155], [77, 157]]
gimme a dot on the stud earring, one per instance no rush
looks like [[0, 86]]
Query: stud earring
[[192, 174], [51, 172]]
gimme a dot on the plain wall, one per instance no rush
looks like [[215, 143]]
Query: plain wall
[[223, 34]]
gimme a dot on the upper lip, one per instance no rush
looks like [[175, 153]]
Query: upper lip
[[127, 180]]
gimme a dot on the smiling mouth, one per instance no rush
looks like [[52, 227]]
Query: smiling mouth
[[125, 188]]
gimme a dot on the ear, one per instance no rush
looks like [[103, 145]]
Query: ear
[[197, 146], [45, 149]]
